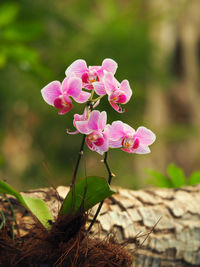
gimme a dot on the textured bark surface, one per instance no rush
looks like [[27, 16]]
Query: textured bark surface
[[131, 215]]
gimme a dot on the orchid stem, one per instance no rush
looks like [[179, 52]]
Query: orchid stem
[[110, 175], [96, 99], [78, 162]]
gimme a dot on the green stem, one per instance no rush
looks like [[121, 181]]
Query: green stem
[[110, 175], [91, 96], [96, 99], [78, 162], [72, 185]]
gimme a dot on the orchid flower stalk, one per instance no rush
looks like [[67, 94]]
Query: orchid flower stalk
[[89, 85]]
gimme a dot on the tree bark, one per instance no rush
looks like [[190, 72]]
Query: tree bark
[[160, 226]]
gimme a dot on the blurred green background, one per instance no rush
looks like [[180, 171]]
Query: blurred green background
[[157, 47]]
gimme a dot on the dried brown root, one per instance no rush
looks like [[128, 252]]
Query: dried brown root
[[64, 245]]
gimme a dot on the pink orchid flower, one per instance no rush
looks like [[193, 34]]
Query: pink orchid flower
[[117, 93], [96, 139], [77, 118], [131, 141], [91, 74], [58, 95]]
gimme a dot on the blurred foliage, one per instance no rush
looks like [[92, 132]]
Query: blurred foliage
[[15, 34], [175, 177]]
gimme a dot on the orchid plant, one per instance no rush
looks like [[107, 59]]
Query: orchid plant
[[89, 85]]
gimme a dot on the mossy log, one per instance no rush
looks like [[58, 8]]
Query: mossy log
[[160, 226]]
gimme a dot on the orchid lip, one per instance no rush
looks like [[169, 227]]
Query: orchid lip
[[58, 103], [90, 77], [85, 77], [130, 143], [61, 102], [96, 139], [99, 141], [118, 98]]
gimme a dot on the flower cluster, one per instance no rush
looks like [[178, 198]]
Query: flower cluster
[[99, 80]]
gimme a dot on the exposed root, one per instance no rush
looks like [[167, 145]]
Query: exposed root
[[64, 245]]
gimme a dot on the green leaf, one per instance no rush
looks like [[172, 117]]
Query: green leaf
[[87, 193], [176, 175], [7, 189], [194, 178], [8, 13], [39, 208], [35, 205], [159, 179]]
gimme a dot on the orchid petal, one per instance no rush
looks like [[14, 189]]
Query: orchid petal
[[125, 87], [82, 127], [78, 117], [85, 113], [51, 91], [116, 130], [110, 83], [109, 65], [67, 100], [94, 120], [100, 72], [142, 150], [146, 136], [82, 117], [72, 133], [107, 129], [78, 67], [65, 110], [65, 85], [82, 98], [72, 86], [104, 147], [94, 68], [90, 144], [116, 107], [115, 144], [99, 149], [102, 120], [127, 150], [128, 129], [99, 88]]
